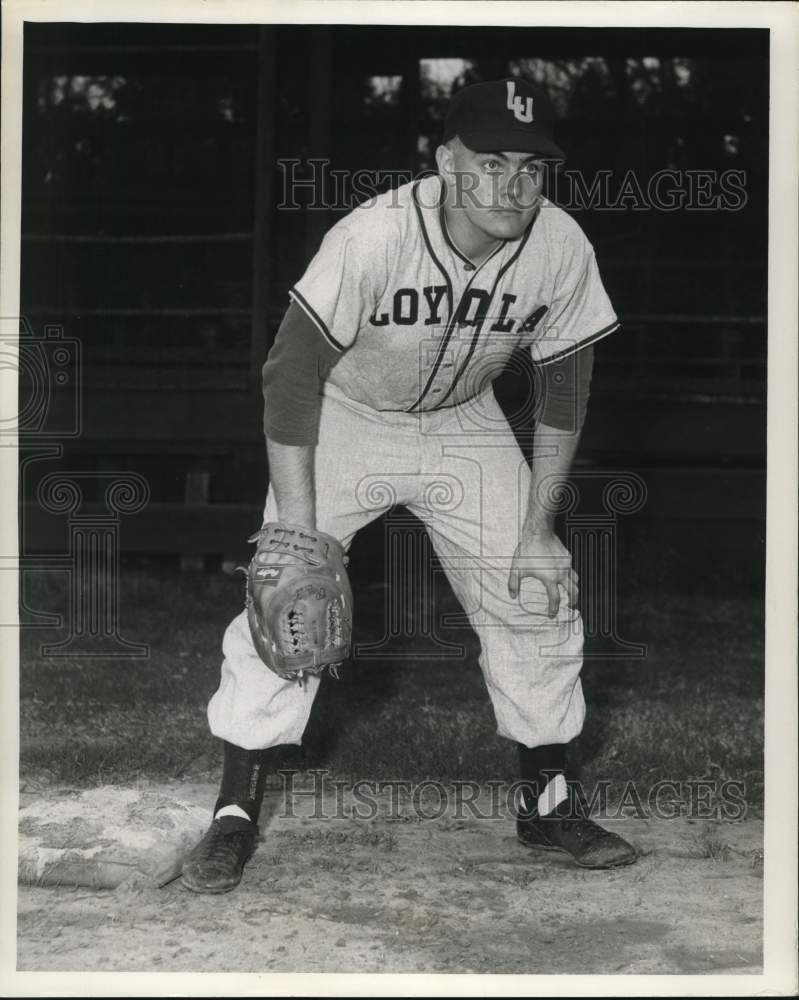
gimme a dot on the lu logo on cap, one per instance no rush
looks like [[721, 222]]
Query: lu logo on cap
[[522, 107], [478, 115]]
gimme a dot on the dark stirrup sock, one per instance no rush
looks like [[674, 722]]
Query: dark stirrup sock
[[537, 767], [243, 778]]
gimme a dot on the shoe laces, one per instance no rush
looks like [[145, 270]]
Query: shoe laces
[[223, 845]]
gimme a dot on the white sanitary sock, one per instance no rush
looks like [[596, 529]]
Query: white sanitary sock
[[231, 811], [556, 792]]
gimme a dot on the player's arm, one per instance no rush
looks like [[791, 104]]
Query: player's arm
[[540, 553], [298, 363], [566, 390], [292, 478]]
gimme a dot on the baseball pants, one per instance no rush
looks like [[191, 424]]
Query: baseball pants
[[461, 472]]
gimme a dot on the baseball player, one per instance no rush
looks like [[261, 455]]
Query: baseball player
[[378, 392]]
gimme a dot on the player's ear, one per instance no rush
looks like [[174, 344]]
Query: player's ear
[[445, 159]]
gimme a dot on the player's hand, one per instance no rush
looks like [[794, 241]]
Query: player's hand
[[545, 557]]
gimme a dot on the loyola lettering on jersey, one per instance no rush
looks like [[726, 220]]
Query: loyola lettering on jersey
[[472, 310]]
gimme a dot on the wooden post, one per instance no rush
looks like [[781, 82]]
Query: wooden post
[[411, 99], [265, 150], [196, 493], [320, 89]]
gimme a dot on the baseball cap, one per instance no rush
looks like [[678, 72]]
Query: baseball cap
[[504, 115]]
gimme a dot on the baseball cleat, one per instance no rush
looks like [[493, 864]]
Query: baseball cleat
[[216, 863], [588, 843]]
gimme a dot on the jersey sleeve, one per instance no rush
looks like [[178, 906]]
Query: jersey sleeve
[[566, 390], [337, 289], [580, 312], [298, 363]]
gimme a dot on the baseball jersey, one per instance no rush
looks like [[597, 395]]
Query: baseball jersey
[[420, 326]]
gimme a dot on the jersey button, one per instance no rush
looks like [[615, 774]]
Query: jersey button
[[468, 267]]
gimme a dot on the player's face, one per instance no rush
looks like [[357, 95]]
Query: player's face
[[497, 192]]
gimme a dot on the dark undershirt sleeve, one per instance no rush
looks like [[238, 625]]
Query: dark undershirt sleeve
[[566, 388], [298, 363]]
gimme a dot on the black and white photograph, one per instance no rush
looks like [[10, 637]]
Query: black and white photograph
[[399, 426]]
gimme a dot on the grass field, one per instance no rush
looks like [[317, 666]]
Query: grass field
[[692, 708]]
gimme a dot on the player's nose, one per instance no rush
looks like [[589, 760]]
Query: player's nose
[[505, 186], [521, 190]]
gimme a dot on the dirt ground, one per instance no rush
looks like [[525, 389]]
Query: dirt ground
[[396, 893]]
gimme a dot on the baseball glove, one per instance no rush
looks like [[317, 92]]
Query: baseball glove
[[299, 601]]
